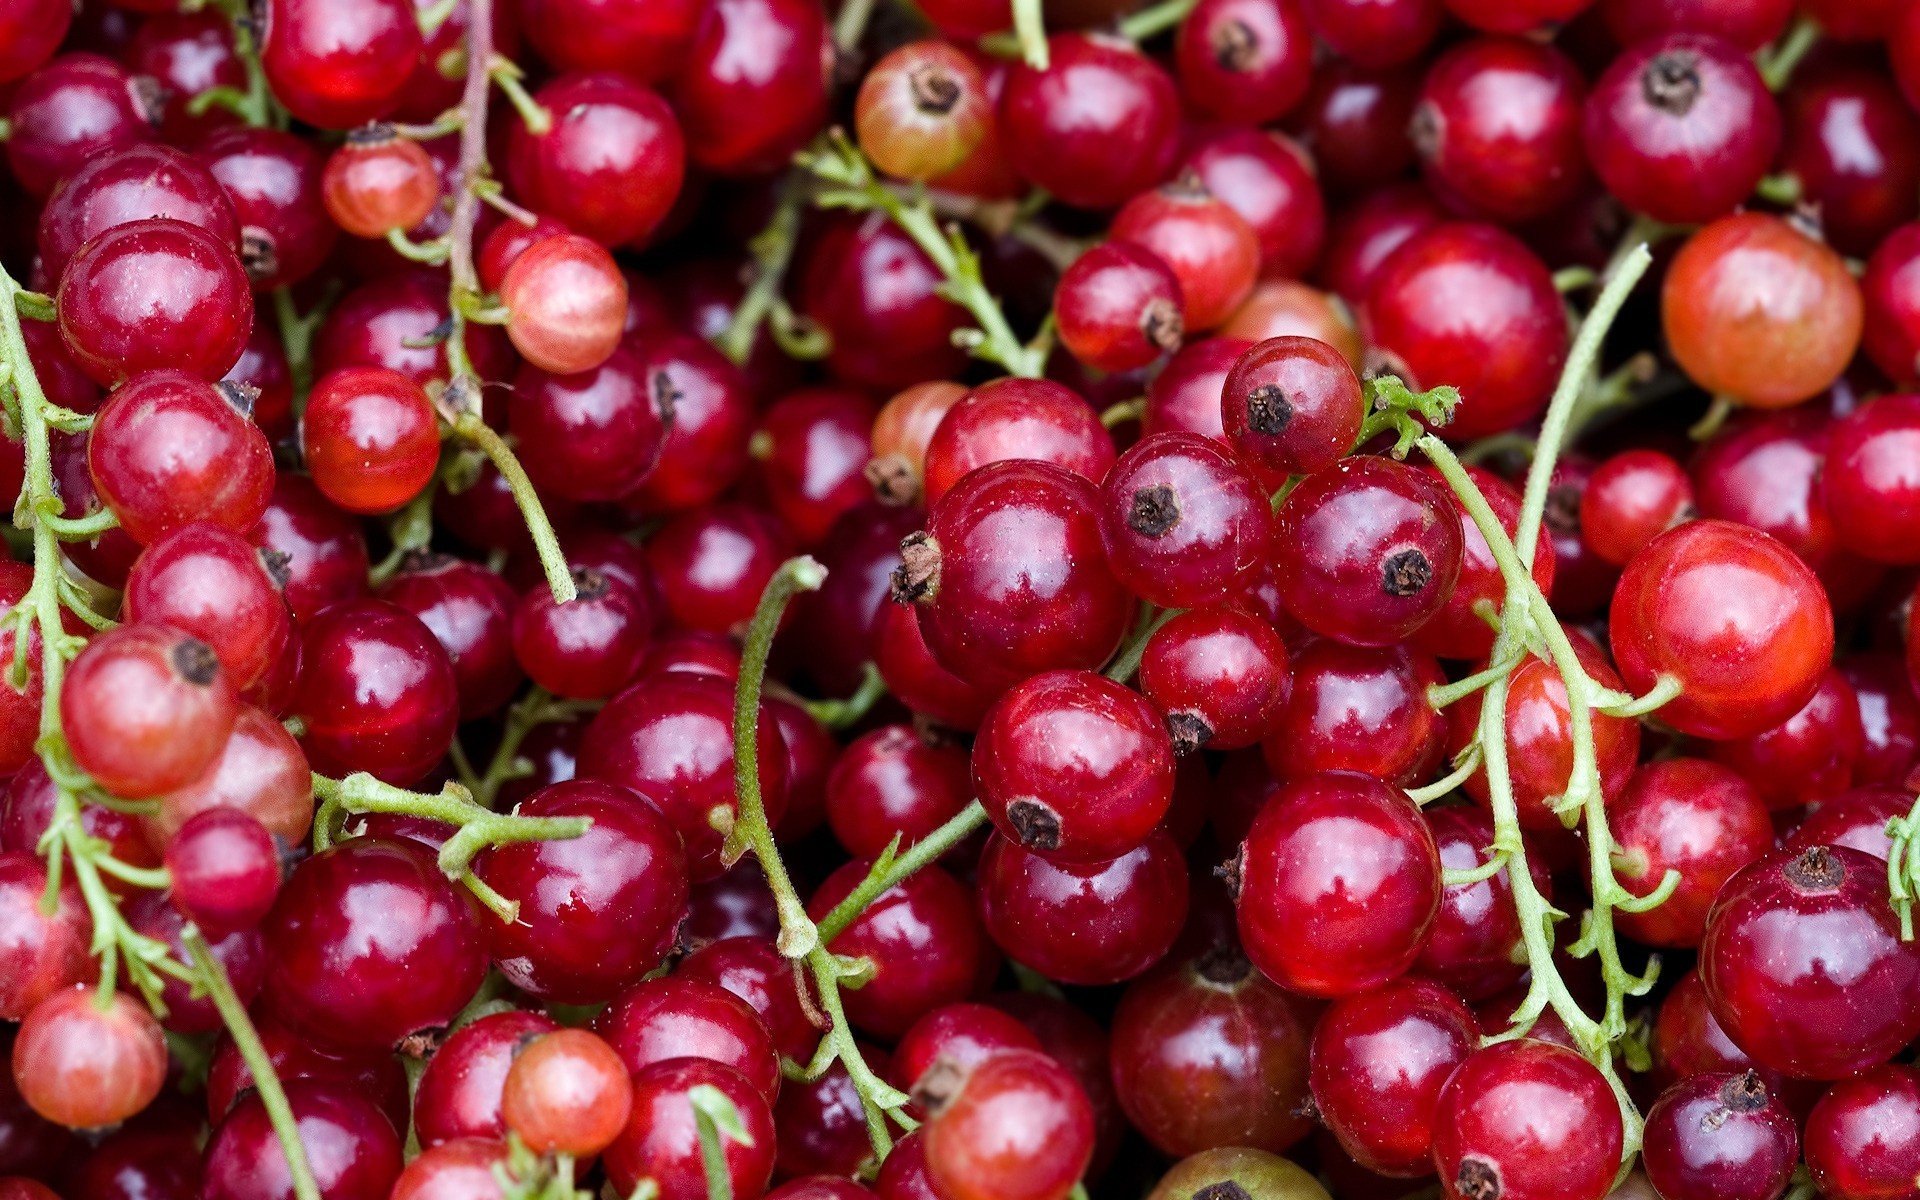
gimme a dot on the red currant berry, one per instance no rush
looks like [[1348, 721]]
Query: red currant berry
[[1869, 489], [750, 122], [211, 583], [923, 938], [1183, 522], [878, 297], [1690, 816], [1118, 307], [273, 179], [1748, 24], [1362, 912], [132, 184], [1354, 122], [392, 322], [469, 611], [352, 1150], [644, 41], [1477, 937], [922, 109], [84, 1065], [1515, 16], [567, 304], [1358, 708], [1185, 395], [1814, 1009], [964, 1035], [146, 709], [339, 65], [377, 182], [1498, 128], [1220, 677], [225, 870], [325, 549], [1856, 819], [1807, 758], [168, 449], [1863, 1137], [611, 165], [662, 1141], [461, 1090], [1013, 418], [33, 31], [1756, 309], [1366, 234], [377, 693], [261, 772], [1891, 326], [1014, 1127], [1527, 1120], [154, 294], [1291, 406], [753, 969], [1208, 1053], [1368, 550], [1087, 923], [1457, 630], [890, 782], [910, 671], [677, 1017], [1211, 249], [1469, 305], [710, 565], [42, 953], [1720, 1136], [1631, 499], [1097, 126], [370, 438], [566, 1093], [1379, 1061], [1375, 33], [67, 113], [457, 1170], [1731, 615], [1849, 144]]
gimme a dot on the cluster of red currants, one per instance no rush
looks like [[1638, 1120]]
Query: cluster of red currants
[[976, 600]]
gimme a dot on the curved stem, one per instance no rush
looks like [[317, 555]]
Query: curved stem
[[246, 1040], [1127, 660], [842, 714], [1029, 26], [553, 560], [772, 250], [751, 830], [891, 868]]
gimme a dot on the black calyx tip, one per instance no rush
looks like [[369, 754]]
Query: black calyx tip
[[1406, 572], [1035, 826]]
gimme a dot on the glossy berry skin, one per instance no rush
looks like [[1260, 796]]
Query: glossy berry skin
[[168, 449], [1888, 720], [1891, 331], [926, 944], [31, 802], [644, 41], [813, 447], [1220, 677], [351, 1148], [1367, 233], [1245, 61], [589, 647], [1720, 1136], [211, 583], [460, 1092], [1016, 1127], [82, 1067], [1863, 1137], [43, 953], [376, 691], [33, 33], [822, 1125], [962, 1034], [1291, 406], [676, 1017], [1358, 708], [469, 611], [374, 1074], [1096, 127], [1731, 614], [1531, 1119], [1119, 307], [753, 969], [376, 182], [1185, 394], [597, 911], [1469, 305], [594, 435], [337, 66], [567, 1093], [1748, 24], [1339, 885], [1074, 766], [1498, 128], [225, 870], [260, 771], [1782, 999], [1270, 180], [73, 108], [1756, 309], [1681, 127], [1766, 471], [146, 709], [1477, 934], [710, 566], [1367, 550], [273, 179], [891, 780], [1690, 816], [1211, 249], [368, 943], [753, 86], [877, 295], [370, 438], [457, 1170], [134, 183], [1807, 758], [1848, 142], [670, 738], [1208, 1052], [918, 680], [1014, 418], [1010, 578], [1632, 498], [1084, 923], [154, 294], [662, 1143], [567, 303], [922, 109], [326, 549], [1868, 483], [1183, 522], [1379, 1061], [610, 167], [1457, 631], [389, 322], [1856, 819]]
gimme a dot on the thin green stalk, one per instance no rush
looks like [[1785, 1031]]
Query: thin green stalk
[[843, 714], [1155, 20], [1777, 62], [1127, 661], [772, 250], [1030, 27], [553, 560], [751, 830], [715, 1118], [850, 24], [891, 868], [266, 1084]]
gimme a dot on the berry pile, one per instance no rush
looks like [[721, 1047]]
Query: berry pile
[[959, 600]]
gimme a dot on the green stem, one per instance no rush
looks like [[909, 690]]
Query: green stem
[[843, 714], [1154, 20], [751, 830], [850, 24], [1127, 661], [772, 250], [266, 1083], [1462, 771], [553, 560], [1777, 63], [1030, 27], [890, 868], [536, 708]]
